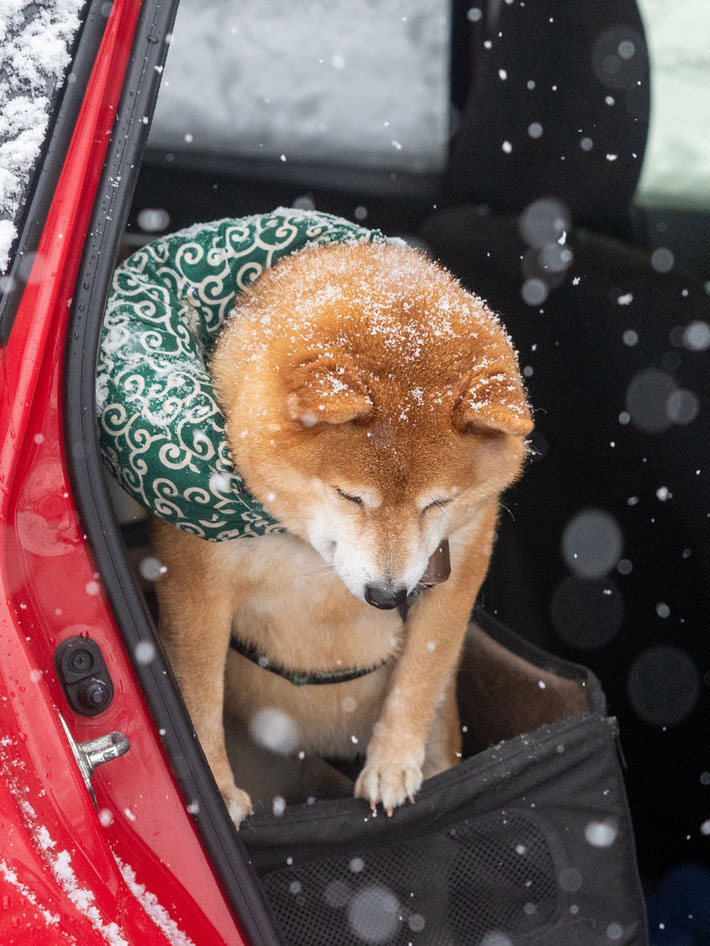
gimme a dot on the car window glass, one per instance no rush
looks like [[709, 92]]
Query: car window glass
[[362, 84], [36, 40], [677, 166]]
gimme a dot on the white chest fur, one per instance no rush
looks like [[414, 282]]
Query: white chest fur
[[293, 608]]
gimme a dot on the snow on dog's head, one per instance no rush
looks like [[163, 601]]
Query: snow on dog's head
[[373, 406]]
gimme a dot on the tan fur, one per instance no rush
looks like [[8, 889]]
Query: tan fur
[[364, 370]]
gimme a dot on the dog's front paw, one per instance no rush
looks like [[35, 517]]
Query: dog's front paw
[[238, 803], [389, 780]]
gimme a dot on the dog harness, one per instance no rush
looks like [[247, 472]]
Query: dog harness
[[161, 430]]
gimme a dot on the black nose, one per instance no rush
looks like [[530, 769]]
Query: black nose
[[385, 597]]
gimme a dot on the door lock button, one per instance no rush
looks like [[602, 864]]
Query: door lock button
[[83, 675]]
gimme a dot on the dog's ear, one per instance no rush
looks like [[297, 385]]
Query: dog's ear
[[492, 401], [328, 391]]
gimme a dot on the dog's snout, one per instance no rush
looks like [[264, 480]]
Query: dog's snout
[[385, 597]]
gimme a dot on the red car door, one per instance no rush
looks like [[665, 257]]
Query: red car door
[[118, 858]]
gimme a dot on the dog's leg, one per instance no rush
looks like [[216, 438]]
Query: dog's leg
[[426, 670], [443, 747], [196, 611]]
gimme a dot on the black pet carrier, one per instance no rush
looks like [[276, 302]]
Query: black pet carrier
[[527, 841]]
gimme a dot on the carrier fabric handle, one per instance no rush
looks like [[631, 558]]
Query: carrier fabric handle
[[161, 430]]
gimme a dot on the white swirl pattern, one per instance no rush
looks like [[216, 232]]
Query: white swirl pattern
[[161, 429]]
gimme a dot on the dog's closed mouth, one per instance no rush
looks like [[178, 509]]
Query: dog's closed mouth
[[437, 571]]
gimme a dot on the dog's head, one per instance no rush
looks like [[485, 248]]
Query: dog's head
[[373, 406]]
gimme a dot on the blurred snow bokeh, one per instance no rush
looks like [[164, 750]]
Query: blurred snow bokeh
[[374, 915], [273, 729], [359, 83]]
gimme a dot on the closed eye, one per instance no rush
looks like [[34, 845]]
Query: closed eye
[[352, 499], [436, 503]]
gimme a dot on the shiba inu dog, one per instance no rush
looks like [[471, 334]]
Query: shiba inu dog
[[375, 409]]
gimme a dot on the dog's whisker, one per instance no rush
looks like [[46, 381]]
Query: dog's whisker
[[320, 574], [318, 571], [509, 511]]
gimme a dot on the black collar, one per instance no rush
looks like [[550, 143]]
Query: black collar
[[300, 678]]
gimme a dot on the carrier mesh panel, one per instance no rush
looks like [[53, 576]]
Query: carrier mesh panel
[[480, 882]]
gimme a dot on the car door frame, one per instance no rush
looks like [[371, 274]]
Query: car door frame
[[128, 606]]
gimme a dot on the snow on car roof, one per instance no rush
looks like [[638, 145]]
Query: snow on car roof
[[35, 39], [363, 84]]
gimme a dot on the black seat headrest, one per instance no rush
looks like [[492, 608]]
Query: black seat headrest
[[558, 106]]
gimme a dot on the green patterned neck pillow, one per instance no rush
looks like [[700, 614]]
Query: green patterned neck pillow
[[161, 430]]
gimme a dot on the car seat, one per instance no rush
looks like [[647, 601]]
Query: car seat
[[605, 538]]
